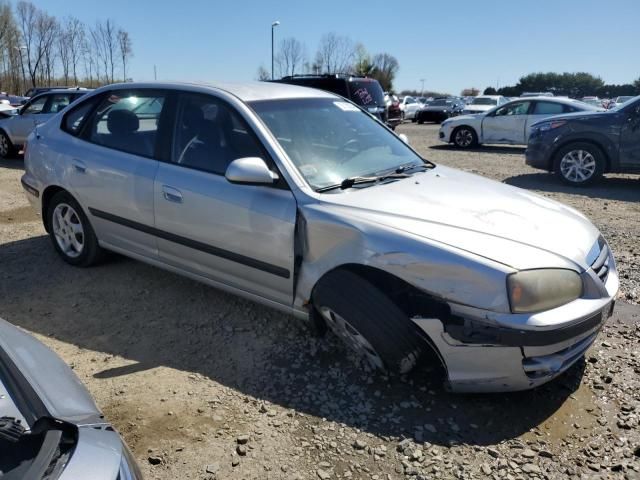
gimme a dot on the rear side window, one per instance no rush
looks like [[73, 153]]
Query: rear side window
[[127, 121], [548, 108]]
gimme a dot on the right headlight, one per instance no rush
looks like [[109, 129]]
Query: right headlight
[[537, 290]]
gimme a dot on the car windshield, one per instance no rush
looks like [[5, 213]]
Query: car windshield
[[440, 103], [330, 140], [367, 93], [484, 101]]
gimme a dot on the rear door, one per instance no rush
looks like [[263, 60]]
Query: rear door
[[237, 235], [506, 124], [20, 126], [112, 165]]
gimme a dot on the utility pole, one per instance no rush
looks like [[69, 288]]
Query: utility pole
[[155, 73], [422, 89], [273, 26]]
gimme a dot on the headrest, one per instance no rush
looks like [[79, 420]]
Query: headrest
[[120, 122]]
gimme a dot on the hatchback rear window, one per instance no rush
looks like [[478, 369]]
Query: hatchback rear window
[[366, 93]]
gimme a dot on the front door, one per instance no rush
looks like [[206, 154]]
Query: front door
[[241, 236], [506, 124], [630, 138]]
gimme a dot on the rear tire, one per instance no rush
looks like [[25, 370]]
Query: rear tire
[[7, 149], [71, 232], [579, 164], [464, 137], [368, 322]]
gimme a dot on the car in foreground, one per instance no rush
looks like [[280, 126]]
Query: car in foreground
[[439, 110], [536, 94], [50, 428], [509, 124], [581, 147], [14, 129], [483, 103], [298, 199]]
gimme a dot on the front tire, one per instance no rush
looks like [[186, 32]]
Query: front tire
[[71, 232], [368, 322], [579, 164], [7, 148], [464, 137]]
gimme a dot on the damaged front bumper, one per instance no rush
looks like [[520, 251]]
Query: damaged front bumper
[[487, 352]]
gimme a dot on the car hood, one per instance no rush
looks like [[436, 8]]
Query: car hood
[[466, 117], [57, 387], [502, 223], [478, 108]]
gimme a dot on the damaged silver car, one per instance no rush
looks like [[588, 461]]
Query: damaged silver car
[[300, 200]]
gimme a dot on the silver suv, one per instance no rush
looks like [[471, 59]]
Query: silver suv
[[300, 200]]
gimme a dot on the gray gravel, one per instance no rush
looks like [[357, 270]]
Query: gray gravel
[[203, 385]]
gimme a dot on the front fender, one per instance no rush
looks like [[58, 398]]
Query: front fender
[[438, 269]]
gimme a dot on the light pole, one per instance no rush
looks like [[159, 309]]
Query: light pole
[[273, 26], [20, 49], [422, 89]]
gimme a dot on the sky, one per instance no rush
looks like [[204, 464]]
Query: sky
[[450, 44]]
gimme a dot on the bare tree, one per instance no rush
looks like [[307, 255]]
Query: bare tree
[[291, 56], [37, 30], [64, 52], [263, 74], [335, 53], [385, 68], [126, 51], [74, 31]]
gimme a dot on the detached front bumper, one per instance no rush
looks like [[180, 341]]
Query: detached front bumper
[[487, 352]]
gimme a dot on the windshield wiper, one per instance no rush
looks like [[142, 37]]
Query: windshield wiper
[[411, 166], [351, 181]]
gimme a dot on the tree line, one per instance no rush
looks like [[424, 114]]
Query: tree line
[[334, 54], [575, 85], [37, 49]]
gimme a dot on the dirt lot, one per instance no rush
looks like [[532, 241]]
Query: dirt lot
[[204, 385]]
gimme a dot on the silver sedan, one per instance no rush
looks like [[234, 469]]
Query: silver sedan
[[300, 200]]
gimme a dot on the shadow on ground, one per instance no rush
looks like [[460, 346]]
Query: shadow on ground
[[609, 188], [499, 149], [156, 318], [12, 163]]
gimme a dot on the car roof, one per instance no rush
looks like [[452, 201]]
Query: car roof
[[245, 91]]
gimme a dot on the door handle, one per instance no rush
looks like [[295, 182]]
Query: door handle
[[171, 194], [79, 166]]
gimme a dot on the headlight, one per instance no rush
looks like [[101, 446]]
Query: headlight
[[129, 469], [537, 290], [546, 126]]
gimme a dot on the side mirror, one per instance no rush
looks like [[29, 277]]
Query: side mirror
[[250, 171], [404, 138]]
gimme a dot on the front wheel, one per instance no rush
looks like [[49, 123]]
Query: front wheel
[[368, 322], [464, 137], [579, 164], [71, 233], [6, 146]]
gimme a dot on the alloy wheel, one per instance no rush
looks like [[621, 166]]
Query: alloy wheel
[[67, 229], [4, 145], [578, 166], [463, 137], [352, 338]]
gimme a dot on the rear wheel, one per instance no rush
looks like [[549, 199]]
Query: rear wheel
[[71, 233], [464, 137], [579, 164], [367, 322], [6, 146]]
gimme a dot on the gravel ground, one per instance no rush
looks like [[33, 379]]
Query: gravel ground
[[203, 385]]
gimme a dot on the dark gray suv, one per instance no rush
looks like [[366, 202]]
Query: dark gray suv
[[580, 147]]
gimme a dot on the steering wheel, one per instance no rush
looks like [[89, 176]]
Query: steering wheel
[[342, 151]]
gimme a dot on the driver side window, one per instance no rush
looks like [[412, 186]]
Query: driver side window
[[36, 106], [520, 108]]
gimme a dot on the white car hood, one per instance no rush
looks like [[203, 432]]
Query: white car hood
[[496, 221], [478, 108]]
